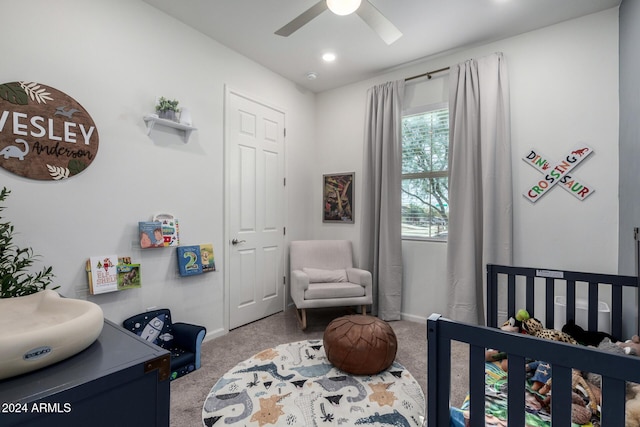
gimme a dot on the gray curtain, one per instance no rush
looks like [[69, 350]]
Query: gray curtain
[[480, 194], [381, 229]]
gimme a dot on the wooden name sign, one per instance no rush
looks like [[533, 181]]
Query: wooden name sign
[[44, 133]]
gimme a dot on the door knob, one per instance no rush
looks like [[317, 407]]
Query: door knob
[[236, 241]]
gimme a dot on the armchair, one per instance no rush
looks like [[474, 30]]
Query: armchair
[[183, 340], [322, 275]]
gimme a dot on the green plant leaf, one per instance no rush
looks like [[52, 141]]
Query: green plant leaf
[[16, 280], [76, 166], [13, 93]]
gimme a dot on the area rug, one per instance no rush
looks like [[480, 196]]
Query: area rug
[[295, 385]]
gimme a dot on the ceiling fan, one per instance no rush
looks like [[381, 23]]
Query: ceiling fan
[[365, 10]]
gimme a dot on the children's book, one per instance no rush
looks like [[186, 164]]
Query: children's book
[[208, 262], [189, 260], [151, 234], [102, 272], [129, 276], [170, 229]]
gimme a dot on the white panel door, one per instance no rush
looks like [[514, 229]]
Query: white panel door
[[256, 198]]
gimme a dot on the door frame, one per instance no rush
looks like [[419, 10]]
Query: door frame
[[228, 91]]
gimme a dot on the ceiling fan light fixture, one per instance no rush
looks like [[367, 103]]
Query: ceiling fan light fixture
[[329, 57], [343, 7]]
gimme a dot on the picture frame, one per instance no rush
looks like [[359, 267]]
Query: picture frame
[[337, 198]]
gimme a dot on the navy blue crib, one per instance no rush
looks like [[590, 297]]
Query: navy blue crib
[[614, 369]]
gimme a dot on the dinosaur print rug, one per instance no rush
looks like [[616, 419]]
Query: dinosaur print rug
[[295, 385]]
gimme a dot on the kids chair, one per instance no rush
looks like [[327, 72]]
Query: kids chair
[[183, 340]]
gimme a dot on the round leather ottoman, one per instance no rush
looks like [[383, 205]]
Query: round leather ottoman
[[360, 345]]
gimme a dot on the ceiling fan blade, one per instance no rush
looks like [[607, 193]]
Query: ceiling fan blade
[[378, 22], [302, 19]]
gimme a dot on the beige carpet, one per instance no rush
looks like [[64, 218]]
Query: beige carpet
[[188, 393]]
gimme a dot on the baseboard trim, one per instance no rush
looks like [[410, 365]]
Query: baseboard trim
[[413, 318]]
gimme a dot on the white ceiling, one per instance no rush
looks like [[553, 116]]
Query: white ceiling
[[429, 27]]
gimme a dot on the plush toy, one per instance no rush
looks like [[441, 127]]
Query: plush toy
[[511, 325], [534, 327], [514, 324], [491, 355], [585, 398], [609, 347], [541, 374], [631, 346], [586, 337], [632, 407]]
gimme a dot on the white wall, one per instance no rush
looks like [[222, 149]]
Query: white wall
[[114, 57], [629, 133], [564, 90]]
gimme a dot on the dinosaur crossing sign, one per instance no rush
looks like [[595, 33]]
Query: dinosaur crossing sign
[[558, 173], [44, 133]]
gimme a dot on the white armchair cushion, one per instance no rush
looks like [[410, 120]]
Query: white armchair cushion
[[317, 275], [323, 291]]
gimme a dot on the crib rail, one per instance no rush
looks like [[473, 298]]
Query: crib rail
[[615, 370], [500, 277]]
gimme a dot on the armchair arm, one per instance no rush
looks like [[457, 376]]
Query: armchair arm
[[185, 335], [358, 276], [189, 337], [361, 277], [299, 284]]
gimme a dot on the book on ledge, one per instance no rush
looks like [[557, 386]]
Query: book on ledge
[[189, 260], [170, 228], [151, 234], [208, 261], [102, 272]]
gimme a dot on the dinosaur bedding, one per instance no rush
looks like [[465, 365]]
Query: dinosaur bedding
[[585, 407], [585, 388], [295, 385], [585, 385]]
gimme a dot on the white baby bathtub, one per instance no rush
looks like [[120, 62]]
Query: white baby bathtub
[[42, 328]]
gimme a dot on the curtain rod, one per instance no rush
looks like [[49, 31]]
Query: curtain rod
[[428, 74]]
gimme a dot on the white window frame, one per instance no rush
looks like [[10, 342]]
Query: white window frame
[[438, 174]]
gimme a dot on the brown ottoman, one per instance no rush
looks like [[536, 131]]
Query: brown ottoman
[[360, 345]]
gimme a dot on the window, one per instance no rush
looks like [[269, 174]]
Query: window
[[425, 182]]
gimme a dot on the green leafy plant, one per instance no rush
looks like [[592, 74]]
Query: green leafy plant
[[165, 104], [15, 262]]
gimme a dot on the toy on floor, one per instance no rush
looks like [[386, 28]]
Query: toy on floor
[[585, 337], [534, 327]]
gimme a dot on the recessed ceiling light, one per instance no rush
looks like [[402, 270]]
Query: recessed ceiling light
[[329, 57]]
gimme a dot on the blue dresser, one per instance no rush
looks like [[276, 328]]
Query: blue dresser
[[119, 380]]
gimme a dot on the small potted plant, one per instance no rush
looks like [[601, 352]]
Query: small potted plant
[[167, 108]]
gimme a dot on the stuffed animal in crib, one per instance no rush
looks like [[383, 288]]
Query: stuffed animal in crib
[[534, 327], [514, 324], [632, 407], [586, 337], [631, 346]]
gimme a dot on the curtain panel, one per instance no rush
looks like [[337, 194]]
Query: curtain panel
[[381, 229], [480, 193]]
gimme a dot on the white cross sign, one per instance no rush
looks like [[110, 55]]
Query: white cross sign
[[558, 174]]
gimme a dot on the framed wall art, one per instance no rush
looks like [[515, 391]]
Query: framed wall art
[[337, 193]]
